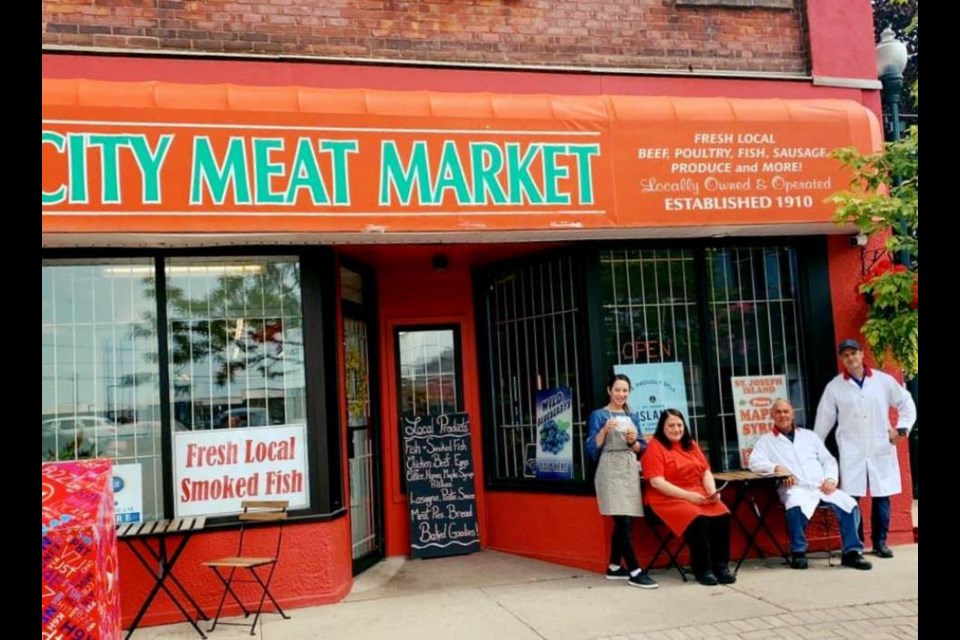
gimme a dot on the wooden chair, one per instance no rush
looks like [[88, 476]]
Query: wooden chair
[[226, 569]]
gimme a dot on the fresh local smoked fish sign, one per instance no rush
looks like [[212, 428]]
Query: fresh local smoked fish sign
[[438, 469], [215, 470], [579, 162]]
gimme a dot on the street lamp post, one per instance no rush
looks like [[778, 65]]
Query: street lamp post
[[891, 61]]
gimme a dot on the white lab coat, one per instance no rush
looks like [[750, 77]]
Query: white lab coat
[[809, 462], [863, 417]]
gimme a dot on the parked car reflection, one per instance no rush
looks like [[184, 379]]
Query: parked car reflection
[[91, 436], [237, 417], [79, 436]]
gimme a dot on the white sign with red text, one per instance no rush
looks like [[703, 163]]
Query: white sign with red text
[[753, 397], [216, 470]]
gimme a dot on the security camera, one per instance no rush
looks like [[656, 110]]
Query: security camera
[[440, 262], [858, 240]]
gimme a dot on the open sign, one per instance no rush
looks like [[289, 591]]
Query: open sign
[[646, 350]]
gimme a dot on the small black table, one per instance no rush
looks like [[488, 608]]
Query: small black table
[[747, 485], [150, 539]]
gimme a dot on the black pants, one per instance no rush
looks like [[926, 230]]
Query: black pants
[[709, 540], [621, 546]]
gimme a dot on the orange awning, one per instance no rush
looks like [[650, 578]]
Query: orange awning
[[132, 158]]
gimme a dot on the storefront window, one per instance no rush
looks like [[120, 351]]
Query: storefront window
[[237, 382], [698, 329], [536, 344], [652, 313], [650, 316], [754, 329], [100, 394]]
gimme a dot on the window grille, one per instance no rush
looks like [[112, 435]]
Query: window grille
[[754, 328], [100, 393], [536, 342], [650, 314]]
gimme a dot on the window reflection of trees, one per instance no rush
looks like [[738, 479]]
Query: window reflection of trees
[[98, 348], [236, 342], [99, 382]]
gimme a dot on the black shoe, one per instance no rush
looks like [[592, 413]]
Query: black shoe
[[707, 578], [882, 551], [855, 560], [798, 561], [617, 574], [724, 576], [643, 580]]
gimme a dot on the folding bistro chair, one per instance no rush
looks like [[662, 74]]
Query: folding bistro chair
[[669, 545], [254, 511], [829, 531]]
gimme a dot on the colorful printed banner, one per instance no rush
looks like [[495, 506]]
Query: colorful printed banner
[[554, 408], [655, 387], [79, 596], [753, 398]]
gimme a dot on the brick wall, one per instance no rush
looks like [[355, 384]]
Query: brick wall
[[723, 35]]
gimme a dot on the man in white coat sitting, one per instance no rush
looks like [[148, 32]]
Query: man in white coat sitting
[[813, 479]]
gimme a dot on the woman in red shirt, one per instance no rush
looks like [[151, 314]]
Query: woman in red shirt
[[684, 495]]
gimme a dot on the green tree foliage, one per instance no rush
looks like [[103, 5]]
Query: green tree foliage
[[883, 202]]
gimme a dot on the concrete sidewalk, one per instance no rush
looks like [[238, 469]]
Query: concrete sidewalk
[[505, 597]]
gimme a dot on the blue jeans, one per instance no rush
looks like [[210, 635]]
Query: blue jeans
[[849, 524], [879, 520]]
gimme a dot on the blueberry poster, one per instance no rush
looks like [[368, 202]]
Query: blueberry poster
[[438, 466], [555, 433]]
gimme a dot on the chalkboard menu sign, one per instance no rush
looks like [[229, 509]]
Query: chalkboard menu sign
[[439, 470]]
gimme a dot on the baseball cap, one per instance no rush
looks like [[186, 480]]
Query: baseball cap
[[849, 343]]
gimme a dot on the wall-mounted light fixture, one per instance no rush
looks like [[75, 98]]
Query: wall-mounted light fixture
[[858, 240]]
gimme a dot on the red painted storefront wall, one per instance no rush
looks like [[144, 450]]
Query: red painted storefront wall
[[314, 569], [316, 560]]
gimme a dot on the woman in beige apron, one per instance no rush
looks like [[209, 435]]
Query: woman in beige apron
[[613, 442]]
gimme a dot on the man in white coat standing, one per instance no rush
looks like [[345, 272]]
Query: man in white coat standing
[[812, 480], [858, 401]]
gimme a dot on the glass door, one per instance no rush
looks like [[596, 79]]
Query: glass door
[[428, 372], [362, 433]]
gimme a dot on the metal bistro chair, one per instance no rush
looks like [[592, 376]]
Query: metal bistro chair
[[825, 523], [254, 511], [669, 545]]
